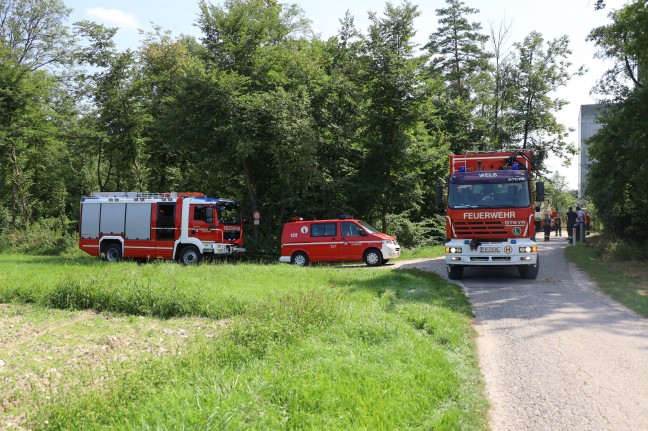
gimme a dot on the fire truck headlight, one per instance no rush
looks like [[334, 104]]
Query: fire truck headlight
[[529, 249], [453, 249]]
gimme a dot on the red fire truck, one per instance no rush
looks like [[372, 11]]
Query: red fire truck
[[490, 213], [344, 239], [181, 226]]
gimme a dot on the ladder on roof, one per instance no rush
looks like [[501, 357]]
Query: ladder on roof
[[133, 195]]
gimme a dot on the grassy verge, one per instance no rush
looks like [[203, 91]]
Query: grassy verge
[[235, 347], [422, 252], [625, 281]]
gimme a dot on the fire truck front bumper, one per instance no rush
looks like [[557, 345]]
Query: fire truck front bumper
[[511, 252], [219, 249]]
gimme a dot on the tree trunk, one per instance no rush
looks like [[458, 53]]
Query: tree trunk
[[251, 189]]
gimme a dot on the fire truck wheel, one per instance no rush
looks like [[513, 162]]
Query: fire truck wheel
[[113, 252], [455, 272], [529, 271], [300, 259], [373, 257], [190, 255]]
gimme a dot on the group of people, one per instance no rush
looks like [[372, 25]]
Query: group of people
[[575, 219]]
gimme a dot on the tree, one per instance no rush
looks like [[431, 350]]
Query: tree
[[459, 58], [116, 111], [538, 71], [617, 182], [29, 144], [625, 42], [34, 32], [394, 141], [457, 48]]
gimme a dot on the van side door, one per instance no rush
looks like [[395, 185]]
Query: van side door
[[324, 241], [352, 240]]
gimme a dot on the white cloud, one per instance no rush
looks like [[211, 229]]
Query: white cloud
[[113, 17]]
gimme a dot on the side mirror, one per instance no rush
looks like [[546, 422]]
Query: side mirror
[[362, 232], [540, 194], [209, 215]]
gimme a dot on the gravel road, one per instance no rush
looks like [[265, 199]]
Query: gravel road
[[556, 354]]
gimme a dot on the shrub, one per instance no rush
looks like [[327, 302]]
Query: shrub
[[44, 237]]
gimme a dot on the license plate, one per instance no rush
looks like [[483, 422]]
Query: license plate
[[490, 249]]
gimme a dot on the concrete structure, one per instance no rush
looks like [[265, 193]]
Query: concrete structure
[[587, 127]]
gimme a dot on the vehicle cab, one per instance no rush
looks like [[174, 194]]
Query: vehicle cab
[[335, 240]]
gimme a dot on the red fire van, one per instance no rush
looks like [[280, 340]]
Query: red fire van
[[344, 239]]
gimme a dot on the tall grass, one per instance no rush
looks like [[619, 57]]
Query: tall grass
[[306, 348]]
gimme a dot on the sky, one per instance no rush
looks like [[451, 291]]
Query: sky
[[552, 18]]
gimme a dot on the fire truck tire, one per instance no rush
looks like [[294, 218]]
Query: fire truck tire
[[455, 272], [373, 257], [300, 259], [529, 271], [112, 252], [190, 255]]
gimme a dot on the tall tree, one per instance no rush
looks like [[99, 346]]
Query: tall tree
[[393, 77], [617, 179], [539, 70], [116, 111], [254, 50], [457, 48], [624, 41], [459, 57], [35, 33]]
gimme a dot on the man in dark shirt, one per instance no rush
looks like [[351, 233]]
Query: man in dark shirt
[[571, 219]]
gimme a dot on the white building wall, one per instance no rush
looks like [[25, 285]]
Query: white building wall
[[587, 127]]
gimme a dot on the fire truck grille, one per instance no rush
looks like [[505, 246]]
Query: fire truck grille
[[479, 228]]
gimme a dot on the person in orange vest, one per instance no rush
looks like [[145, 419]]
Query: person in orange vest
[[558, 224]]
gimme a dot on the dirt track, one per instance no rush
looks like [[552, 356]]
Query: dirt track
[[556, 354]]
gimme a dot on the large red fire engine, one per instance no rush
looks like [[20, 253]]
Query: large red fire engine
[[182, 226], [490, 213]]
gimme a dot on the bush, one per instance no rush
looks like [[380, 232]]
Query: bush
[[45, 237], [412, 234], [614, 249]]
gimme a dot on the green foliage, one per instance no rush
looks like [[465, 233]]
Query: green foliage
[[46, 237], [617, 182]]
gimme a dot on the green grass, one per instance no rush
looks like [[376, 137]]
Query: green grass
[[625, 281], [429, 252], [263, 347]]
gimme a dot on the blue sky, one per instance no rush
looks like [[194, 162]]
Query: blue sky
[[552, 18]]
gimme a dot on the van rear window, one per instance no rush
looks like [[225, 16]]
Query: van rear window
[[324, 229]]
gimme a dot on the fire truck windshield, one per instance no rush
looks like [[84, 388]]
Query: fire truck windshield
[[491, 194], [229, 214]]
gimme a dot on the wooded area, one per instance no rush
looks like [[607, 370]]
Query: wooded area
[[262, 111]]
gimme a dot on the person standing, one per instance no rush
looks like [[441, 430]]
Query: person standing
[[547, 226], [579, 225], [558, 224], [571, 219]]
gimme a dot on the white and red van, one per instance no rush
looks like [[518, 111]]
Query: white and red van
[[343, 239]]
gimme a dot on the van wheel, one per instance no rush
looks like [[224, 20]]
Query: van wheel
[[455, 272], [373, 257], [299, 259], [190, 255], [113, 252]]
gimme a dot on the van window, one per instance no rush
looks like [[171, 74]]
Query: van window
[[350, 229], [324, 229]]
